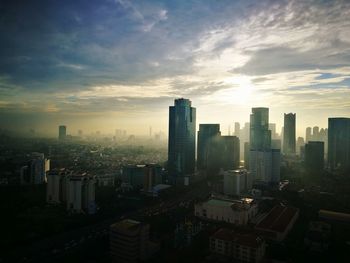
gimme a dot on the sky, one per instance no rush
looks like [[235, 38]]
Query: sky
[[119, 64]]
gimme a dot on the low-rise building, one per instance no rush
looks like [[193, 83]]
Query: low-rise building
[[234, 211], [278, 222], [237, 247], [129, 241]]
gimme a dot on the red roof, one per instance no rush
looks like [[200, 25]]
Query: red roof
[[278, 219]]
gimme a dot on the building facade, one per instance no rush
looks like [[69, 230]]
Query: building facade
[[205, 134], [314, 156], [289, 136], [62, 132], [182, 141], [236, 182], [339, 144]]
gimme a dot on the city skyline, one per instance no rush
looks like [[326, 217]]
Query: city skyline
[[119, 64]]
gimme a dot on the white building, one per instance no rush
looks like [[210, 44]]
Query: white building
[[235, 211], [77, 191], [81, 194], [236, 182]]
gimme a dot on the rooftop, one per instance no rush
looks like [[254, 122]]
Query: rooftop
[[243, 239], [278, 218], [126, 224]]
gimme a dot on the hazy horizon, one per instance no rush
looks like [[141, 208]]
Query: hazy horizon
[[107, 65]]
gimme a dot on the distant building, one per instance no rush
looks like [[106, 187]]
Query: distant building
[[278, 222], [308, 134], [276, 144], [205, 134], [339, 144], [129, 241], [314, 156], [289, 134], [246, 155], [234, 211], [260, 135], [182, 141], [232, 246], [34, 172], [62, 132], [300, 143], [236, 182]]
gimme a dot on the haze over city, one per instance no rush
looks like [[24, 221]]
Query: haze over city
[[103, 65]]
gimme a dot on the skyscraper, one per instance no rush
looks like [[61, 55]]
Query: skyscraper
[[182, 140], [308, 134], [339, 143], [264, 162], [260, 135], [205, 134], [314, 156], [289, 134], [62, 132]]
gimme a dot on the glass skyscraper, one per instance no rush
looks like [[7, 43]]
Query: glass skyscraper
[[339, 143], [182, 140], [205, 134], [260, 135]]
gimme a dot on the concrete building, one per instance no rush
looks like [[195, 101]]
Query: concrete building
[[277, 223], [339, 144], [234, 211], [314, 157], [264, 162], [62, 132], [182, 141], [152, 177], [231, 246], [142, 175], [34, 172], [308, 134], [300, 143], [205, 135], [289, 136], [236, 182], [129, 241], [81, 194], [75, 190]]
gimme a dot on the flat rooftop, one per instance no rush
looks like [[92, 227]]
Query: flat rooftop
[[243, 239], [126, 224]]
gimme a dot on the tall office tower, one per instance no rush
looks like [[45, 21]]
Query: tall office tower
[[308, 135], [264, 162], [223, 153], [314, 156], [289, 134], [300, 143], [237, 129], [315, 133], [260, 135], [276, 144], [339, 143], [62, 132], [81, 193], [56, 186], [205, 135], [182, 141], [35, 170], [272, 128]]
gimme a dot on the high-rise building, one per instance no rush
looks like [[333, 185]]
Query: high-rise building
[[236, 182], [339, 143], [62, 132], [81, 193], [246, 155], [205, 134], [223, 153], [152, 176], [260, 135], [264, 162], [289, 134], [300, 143], [316, 133], [35, 170], [308, 134], [182, 141], [237, 129], [314, 156]]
